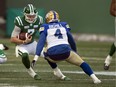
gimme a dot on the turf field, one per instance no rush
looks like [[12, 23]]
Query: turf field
[[13, 73]]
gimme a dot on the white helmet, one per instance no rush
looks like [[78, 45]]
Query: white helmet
[[30, 13]]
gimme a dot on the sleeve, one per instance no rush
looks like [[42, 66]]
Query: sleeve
[[43, 28], [40, 43], [18, 21], [16, 31], [71, 41], [66, 25]]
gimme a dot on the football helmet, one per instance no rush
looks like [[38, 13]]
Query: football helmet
[[52, 16], [30, 13]]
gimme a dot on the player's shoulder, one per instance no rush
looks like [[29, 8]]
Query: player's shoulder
[[62, 23], [19, 20], [40, 18], [43, 27], [65, 24]]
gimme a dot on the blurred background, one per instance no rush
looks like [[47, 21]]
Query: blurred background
[[88, 17]]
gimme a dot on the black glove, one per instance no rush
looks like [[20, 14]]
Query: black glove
[[5, 47], [33, 63]]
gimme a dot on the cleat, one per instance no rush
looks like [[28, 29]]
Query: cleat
[[97, 81], [107, 62], [36, 77], [106, 67], [67, 79], [2, 54]]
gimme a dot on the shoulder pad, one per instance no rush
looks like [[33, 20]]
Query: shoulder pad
[[18, 21], [41, 19], [41, 29]]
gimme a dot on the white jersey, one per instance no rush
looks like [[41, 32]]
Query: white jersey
[[54, 38], [58, 38]]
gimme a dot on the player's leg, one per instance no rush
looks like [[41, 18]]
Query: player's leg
[[26, 62], [57, 72], [3, 57], [109, 57], [76, 60], [54, 66]]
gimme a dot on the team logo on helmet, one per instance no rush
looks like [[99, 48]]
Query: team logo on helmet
[[52, 16], [30, 13]]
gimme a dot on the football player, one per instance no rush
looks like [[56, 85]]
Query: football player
[[113, 46], [3, 57], [30, 23], [60, 43]]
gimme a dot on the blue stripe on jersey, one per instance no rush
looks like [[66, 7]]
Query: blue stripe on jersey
[[59, 49]]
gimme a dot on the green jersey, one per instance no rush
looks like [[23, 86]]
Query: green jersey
[[31, 28]]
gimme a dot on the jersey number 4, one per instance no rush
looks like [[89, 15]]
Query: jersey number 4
[[58, 34]]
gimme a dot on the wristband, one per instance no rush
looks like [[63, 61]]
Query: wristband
[[36, 57]]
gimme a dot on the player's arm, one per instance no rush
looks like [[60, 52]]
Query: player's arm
[[70, 37], [40, 44], [14, 35], [113, 8], [39, 48], [71, 41], [16, 40]]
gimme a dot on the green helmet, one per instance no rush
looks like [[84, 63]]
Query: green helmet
[[30, 13]]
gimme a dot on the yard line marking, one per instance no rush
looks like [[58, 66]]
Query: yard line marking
[[4, 84], [96, 72], [17, 86], [107, 73]]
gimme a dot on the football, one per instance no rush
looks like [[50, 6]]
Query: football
[[23, 36]]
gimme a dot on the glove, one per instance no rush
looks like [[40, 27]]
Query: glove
[[5, 47], [33, 63]]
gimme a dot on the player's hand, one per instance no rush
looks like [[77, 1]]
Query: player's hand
[[28, 39], [33, 63], [5, 47]]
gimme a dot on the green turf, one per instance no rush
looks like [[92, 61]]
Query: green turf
[[13, 73]]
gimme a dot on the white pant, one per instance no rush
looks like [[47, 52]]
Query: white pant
[[28, 48]]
